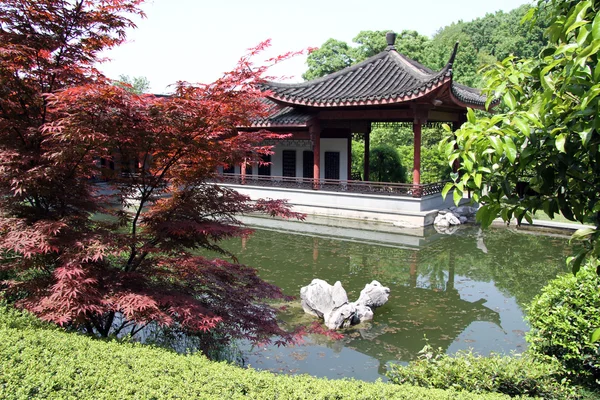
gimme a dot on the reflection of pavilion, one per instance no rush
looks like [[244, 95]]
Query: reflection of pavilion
[[438, 315], [402, 262]]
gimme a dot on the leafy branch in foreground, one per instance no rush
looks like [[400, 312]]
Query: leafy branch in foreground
[[541, 150]]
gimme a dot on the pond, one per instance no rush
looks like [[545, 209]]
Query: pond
[[460, 291]]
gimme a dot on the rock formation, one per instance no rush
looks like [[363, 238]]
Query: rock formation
[[453, 216], [331, 302]]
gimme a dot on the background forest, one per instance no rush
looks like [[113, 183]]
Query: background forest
[[483, 41]]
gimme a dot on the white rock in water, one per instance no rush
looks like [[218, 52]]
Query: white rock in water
[[341, 317], [317, 298], [363, 313], [373, 295], [338, 295], [331, 302], [452, 219], [441, 220]]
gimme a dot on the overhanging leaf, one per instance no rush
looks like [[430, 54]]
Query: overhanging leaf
[[446, 189], [596, 27], [559, 142], [583, 233], [596, 335], [457, 196], [510, 149]]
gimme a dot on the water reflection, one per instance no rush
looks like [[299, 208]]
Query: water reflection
[[461, 291]]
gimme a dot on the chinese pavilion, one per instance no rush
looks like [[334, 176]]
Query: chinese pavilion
[[323, 114]]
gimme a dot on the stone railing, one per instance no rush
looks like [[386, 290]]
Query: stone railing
[[334, 185]]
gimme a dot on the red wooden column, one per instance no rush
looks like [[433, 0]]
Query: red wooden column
[[417, 152], [315, 134], [366, 157], [243, 172], [414, 266]]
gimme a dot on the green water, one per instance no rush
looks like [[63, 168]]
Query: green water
[[467, 290]]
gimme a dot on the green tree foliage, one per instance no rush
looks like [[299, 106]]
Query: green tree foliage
[[434, 165], [332, 56], [136, 84], [335, 55], [541, 151], [385, 165], [358, 159], [483, 41], [561, 323], [369, 43]]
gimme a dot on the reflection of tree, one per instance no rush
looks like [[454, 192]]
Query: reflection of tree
[[519, 264], [441, 316]]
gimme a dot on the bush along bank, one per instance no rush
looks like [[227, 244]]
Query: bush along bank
[[511, 375], [39, 361], [562, 320]]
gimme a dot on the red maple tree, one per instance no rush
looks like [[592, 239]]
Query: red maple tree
[[107, 249]]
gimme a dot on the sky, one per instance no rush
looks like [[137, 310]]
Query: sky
[[198, 40]]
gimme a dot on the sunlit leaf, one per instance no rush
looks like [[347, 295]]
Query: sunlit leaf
[[595, 336], [510, 149], [559, 142]]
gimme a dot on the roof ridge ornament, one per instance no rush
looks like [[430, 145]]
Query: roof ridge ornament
[[453, 55], [390, 37]]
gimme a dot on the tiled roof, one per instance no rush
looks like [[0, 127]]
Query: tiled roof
[[468, 95], [387, 78], [284, 116]]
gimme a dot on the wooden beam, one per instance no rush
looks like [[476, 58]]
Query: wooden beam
[[371, 115], [443, 116]]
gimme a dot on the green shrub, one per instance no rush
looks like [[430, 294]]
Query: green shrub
[[434, 164], [385, 165], [37, 362], [562, 319], [514, 376]]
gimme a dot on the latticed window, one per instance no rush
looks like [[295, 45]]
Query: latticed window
[[332, 165], [308, 164], [289, 163], [265, 169]]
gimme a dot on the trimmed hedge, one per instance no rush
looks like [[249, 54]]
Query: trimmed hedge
[[38, 361], [562, 320], [518, 375]]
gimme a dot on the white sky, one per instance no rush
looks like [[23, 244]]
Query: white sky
[[197, 40]]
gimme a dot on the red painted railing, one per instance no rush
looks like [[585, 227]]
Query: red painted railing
[[334, 185]]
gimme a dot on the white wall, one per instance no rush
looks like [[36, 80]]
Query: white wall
[[402, 211], [339, 145]]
